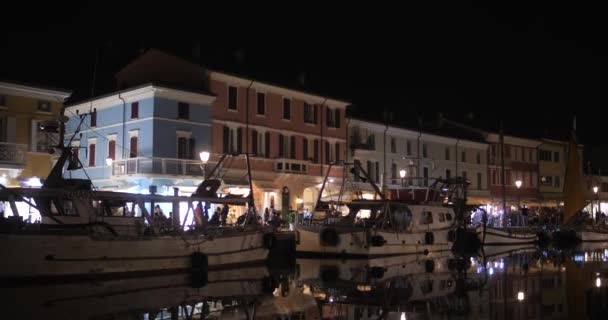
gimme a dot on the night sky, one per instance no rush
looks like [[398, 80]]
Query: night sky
[[532, 71]]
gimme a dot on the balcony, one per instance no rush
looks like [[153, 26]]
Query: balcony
[[158, 166], [291, 166], [13, 154]]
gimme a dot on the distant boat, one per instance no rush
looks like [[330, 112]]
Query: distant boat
[[369, 228]]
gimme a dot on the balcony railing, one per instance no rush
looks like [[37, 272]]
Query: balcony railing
[[291, 166], [12, 153], [164, 166]]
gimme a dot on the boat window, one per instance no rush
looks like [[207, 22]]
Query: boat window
[[426, 286], [68, 208], [448, 216], [441, 217], [54, 209], [426, 217]]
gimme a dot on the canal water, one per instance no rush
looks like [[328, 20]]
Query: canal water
[[504, 283]]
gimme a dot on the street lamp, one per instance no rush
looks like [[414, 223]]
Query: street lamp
[[402, 175], [521, 296], [595, 190], [204, 158]]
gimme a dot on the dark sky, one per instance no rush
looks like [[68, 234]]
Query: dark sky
[[532, 71]]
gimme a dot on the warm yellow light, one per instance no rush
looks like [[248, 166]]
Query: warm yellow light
[[598, 282], [520, 296], [204, 156], [299, 201], [402, 173], [518, 184], [595, 189]]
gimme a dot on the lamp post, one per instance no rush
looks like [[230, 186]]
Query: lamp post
[[518, 185], [204, 155], [109, 162], [402, 173], [595, 190]]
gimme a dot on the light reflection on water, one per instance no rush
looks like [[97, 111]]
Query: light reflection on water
[[505, 283]]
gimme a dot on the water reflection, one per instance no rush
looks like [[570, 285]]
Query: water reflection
[[506, 283]]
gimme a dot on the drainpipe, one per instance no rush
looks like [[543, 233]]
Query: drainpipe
[[419, 157], [124, 128], [456, 155], [247, 119]]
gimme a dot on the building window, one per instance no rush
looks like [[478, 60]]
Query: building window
[[424, 151], [254, 142], [494, 175], [464, 175], [183, 110], [2, 100], [232, 96], [556, 156], [478, 180], [546, 180], [447, 153], [369, 170], [333, 118], [315, 150], [377, 172], [304, 149], [239, 140], [557, 181], [292, 149], [133, 147], [309, 114], [408, 146], [327, 153], [507, 151], [286, 109], [225, 140], [478, 158], [43, 137], [604, 187], [267, 144], [523, 154], [394, 172], [425, 175], [261, 103], [448, 173], [356, 171], [531, 154], [393, 145], [544, 155], [337, 151], [112, 149], [463, 156], [281, 146], [186, 146], [91, 154], [94, 118], [44, 106], [134, 110]]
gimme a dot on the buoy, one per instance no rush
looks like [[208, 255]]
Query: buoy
[[329, 237], [377, 241]]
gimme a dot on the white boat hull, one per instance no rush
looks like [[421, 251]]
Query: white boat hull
[[358, 243], [40, 255], [501, 237]]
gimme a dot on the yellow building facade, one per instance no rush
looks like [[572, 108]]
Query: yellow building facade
[[29, 129]]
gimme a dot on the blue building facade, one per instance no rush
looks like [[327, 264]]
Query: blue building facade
[[141, 137]]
